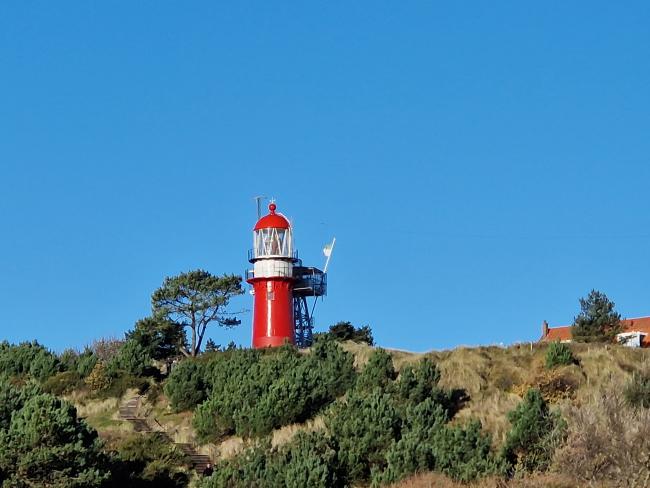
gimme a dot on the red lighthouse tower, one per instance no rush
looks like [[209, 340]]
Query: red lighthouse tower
[[281, 285]]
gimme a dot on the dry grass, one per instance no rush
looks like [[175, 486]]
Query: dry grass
[[608, 441], [436, 480], [285, 434]]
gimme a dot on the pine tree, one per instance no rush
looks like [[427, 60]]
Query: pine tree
[[597, 321]]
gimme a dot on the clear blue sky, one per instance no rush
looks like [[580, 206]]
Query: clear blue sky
[[482, 164]]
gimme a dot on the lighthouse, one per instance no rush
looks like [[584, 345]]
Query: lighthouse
[[281, 285]]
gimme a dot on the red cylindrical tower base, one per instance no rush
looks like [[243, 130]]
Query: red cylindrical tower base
[[273, 312]]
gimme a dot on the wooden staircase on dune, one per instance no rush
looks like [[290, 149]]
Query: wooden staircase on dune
[[129, 412]]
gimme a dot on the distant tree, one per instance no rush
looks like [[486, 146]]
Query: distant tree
[[160, 337], [106, 348], [597, 321], [211, 346], [193, 300], [345, 331]]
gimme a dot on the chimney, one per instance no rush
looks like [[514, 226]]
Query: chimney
[[544, 329]]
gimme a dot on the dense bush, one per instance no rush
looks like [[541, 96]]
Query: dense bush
[[309, 461], [43, 443], [559, 354], [253, 393], [364, 427], [131, 358], [345, 331], [149, 461], [63, 383], [535, 434], [85, 363], [186, 387], [637, 391], [29, 359], [420, 382], [378, 373], [160, 337]]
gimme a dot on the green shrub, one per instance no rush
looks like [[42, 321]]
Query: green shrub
[[637, 391], [160, 337], [464, 453], [131, 358], [185, 386], [378, 373], [43, 443], [428, 444], [63, 383], [535, 434], [86, 362], [28, 358], [119, 385], [147, 461], [417, 383], [364, 427], [252, 393], [345, 331], [559, 354], [309, 461]]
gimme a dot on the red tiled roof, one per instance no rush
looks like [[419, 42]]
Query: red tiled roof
[[558, 334], [641, 324]]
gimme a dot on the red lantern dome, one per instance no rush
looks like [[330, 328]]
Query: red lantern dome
[[272, 220]]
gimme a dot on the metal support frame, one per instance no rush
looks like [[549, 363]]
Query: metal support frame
[[303, 322]]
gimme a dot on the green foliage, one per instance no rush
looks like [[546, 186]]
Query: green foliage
[[428, 444], [379, 372], [80, 363], [559, 354], [464, 453], [85, 363], [185, 387], [597, 321], [535, 434], [309, 461], [119, 385], [252, 393], [149, 461], [637, 391], [416, 384], [43, 443], [364, 426], [211, 346], [194, 300], [345, 331], [63, 383], [131, 358], [28, 359], [413, 452], [161, 338]]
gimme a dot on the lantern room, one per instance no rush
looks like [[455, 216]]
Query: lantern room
[[272, 236]]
